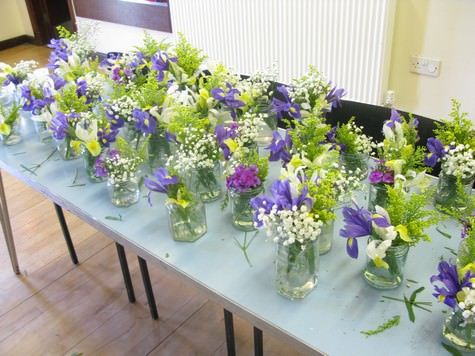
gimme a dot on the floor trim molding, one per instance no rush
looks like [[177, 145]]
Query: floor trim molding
[[15, 41]]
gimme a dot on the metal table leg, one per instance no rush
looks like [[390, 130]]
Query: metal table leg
[[148, 288], [258, 344], [67, 236], [125, 272], [229, 329], [7, 228]]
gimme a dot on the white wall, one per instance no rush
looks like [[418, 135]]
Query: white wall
[[14, 19], [442, 29]]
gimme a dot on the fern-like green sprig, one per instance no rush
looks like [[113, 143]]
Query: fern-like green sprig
[[458, 129], [189, 57]]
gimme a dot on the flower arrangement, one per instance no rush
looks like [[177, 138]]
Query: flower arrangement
[[400, 225], [12, 77], [8, 118]]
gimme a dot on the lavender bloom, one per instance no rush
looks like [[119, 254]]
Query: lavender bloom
[[144, 121], [436, 151], [161, 63], [228, 98], [223, 133], [357, 224], [448, 276], [280, 147], [287, 106], [59, 126], [244, 178], [334, 97], [162, 182], [100, 167]]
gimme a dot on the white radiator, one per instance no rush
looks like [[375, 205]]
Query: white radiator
[[348, 40]]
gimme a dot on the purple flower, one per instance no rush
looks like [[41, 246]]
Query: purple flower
[[376, 177], [161, 184], [285, 106], [449, 277], [261, 202], [100, 167], [60, 52], [59, 81], [59, 126], [357, 224], [244, 178], [170, 137], [106, 136], [395, 117], [282, 195], [115, 120], [334, 97], [436, 151], [144, 121], [223, 133], [280, 147], [161, 63], [228, 98]]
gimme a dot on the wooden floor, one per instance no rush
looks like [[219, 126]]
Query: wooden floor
[[56, 308]]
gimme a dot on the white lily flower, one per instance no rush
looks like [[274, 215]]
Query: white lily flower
[[376, 250], [89, 134]]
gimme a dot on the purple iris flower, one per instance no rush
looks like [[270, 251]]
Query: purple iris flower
[[10, 78], [261, 202], [280, 147], [282, 195], [59, 126], [161, 183], [170, 137], [115, 120], [448, 276], [60, 51], [100, 167], [59, 81], [244, 178], [81, 88], [144, 121], [285, 106], [106, 136], [357, 224], [436, 151], [161, 63], [222, 133], [334, 97], [228, 98], [395, 117]]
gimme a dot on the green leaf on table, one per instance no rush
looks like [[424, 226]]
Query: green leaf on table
[[415, 293], [394, 321], [410, 310], [451, 250], [443, 233], [451, 350], [245, 245], [412, 281], [18, 153], [114, 218]]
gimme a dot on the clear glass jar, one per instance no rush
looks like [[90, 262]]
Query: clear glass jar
[[14, 136], [387, 278], [326, 237], [206, 182], [296, 269], [378, 195], [42, 131], [89, 164], [356, 164], [242, 212], [65, 150], [159, 150], [123, 194], [187, 223], [460, 332], [268, 126], [447, 195]]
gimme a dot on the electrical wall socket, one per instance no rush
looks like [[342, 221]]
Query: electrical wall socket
[[425, 66]]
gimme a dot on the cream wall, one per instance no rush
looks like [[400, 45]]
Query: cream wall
[[14, 20], [442, 29]]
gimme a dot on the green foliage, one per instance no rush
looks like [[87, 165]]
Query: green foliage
[[323, 197], [459, 129], [150, 46], [394, 321], [150, 93], [183, 117], [126, 149], [467, 256], [308, 135], [410, 210], [251, 157], [10, 115], [68, 101], [346, 136], [63, 32], [218, 79], [189, 57]]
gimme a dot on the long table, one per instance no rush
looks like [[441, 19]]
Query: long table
[[328, 321]]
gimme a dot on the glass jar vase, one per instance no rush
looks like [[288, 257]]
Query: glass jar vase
[[206, 182], [387, 278], [187, 223], [65, 150], [159, 150], [296, 269], [42, 131], [447, 195], [326, 237], [13, 137], [356, 164], [90, 165], [460, 332], [123, 194], [378, 195], [241, 210]]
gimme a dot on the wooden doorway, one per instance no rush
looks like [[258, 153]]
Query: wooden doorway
[[45, 15]]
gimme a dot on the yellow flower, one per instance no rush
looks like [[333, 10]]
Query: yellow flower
[[403, 233], [94, 148], [76, 146], [5, 129], [231, 144], [182, 202], [469, 267]]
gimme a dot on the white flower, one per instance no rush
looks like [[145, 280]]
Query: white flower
[[376, 250]]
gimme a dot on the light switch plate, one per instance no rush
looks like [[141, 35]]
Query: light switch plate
[[425, 66]]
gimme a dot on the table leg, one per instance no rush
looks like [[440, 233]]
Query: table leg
[[258, 344], [7, 228], [148, 288], [67, 236], [125, 272], [229, 329]]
